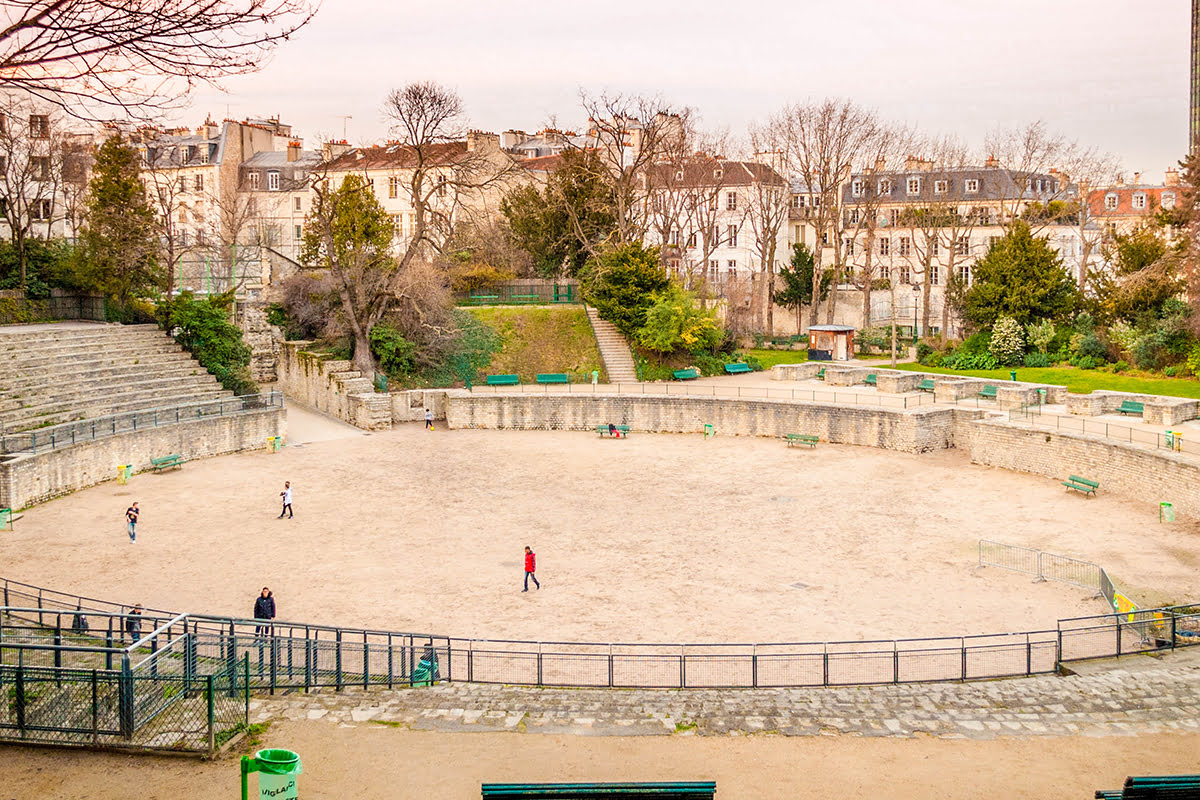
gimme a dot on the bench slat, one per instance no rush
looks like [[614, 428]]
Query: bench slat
[[503, 380], [733, 369]]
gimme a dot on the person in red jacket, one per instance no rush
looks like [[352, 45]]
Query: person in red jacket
[[530, 568]]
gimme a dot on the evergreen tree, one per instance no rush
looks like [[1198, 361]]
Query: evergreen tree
[[1020, 277], [797, 278], [120, 241], [623, 283]]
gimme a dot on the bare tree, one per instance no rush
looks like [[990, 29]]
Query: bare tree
[[136, 56], [768, 201], [822, 141], [164, 188], [32, 147]]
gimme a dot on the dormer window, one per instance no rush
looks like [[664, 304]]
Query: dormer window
[[1110, 201], [1168, 200], [204, 154], [253, 179], [1139, 200], [856, 187], [914, 185], [885, 186], [941, 186], [971, 185], [679, 175], [718, 173], [273, 181]]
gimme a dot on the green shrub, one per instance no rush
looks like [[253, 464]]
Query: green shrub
[[202, 327], [1040, 335], [934, 359], [1037, 360], [676, 322], [752, 362], [621, 284], [1090, 345], [976, 343], [1193, 361], [1171, 371], [1121, 366], [1084, 362], [964, 361], [1007, 345], [395, 353]]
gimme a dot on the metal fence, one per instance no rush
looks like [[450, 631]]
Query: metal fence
[[521, 292], [1042, 565], [719, 391], [1088, 426], [286, 655], [62, 687], [71, 433]]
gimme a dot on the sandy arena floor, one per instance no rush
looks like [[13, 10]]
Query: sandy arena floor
[[655, 538], [378, 763]]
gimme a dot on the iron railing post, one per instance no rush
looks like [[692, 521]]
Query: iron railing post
[[212, 734]]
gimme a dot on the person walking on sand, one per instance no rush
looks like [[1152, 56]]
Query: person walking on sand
[[131, 518], [286, 494], [428, 420], [530, 568]]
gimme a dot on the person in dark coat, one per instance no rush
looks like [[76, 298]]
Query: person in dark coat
[[264, 608], [133, 623], [79, 622]]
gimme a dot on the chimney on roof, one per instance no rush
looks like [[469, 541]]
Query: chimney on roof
[[1137, 179], [880, 164], [482, 142], [911, 163], [1171, 178], [991, 162], [511, 138], [293, 150], [333, 149]]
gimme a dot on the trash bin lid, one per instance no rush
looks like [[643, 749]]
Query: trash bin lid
[[278, 762]]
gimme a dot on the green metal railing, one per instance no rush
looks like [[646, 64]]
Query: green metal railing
[[72, 433]]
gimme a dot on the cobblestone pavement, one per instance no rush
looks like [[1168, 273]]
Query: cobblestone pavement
[[1118, 698]]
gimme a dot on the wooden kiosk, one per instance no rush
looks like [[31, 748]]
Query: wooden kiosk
[[830, 343]]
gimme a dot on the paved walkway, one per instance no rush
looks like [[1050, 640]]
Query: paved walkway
[[1121, 697]]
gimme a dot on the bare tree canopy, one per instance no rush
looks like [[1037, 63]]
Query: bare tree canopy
[[137, 56]]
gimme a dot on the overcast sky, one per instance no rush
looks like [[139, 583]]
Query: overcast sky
[[1112, 73]]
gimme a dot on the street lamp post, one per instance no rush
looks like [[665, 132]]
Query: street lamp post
[[916, 299]]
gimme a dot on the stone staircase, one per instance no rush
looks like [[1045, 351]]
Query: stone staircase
[[618, 360], [51, 374]]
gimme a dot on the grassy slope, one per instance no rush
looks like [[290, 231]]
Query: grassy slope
[[1080, 381], [536, 339], [769, 358]]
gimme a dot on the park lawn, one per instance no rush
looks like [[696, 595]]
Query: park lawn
[[540, 339], [1079, 381], [769, 358]]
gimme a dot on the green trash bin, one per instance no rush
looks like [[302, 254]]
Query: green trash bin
[[426, 672], [277, 770]]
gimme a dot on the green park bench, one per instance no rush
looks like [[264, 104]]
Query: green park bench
[[797, 439], [988, 393], [686, 374], [1132, 407], [821, 374], [603, 430], [870, 380], [553, 377], [1156, 787], [734, 369], [7, 518], [674, 790], [925, 385], [1081, 484], [503, 380], [166, 462]]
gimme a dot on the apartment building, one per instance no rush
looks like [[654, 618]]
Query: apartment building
[[1126, 206]]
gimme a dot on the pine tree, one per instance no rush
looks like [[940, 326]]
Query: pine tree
[[1020, 277], [120, 240]]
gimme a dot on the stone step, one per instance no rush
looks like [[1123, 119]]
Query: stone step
[[33, 358], [147, 394], [111, 408], [9, 344], [614, 349], [151, 383], [99, 370]]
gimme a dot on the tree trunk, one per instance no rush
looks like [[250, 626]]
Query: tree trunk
[[364, 362], [814, 309], [866, 302], [831, 304], [892, 283]]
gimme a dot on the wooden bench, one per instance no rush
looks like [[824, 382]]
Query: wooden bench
[[603, 430], [1132, 407], [503, 380], [674, 790], [925, 385], [796, 439], [1081, 484], [686, 374], [166, 462], [7, 518], [1156, 787], [553, 377], [734, 369], [870, 380], [988, 393]]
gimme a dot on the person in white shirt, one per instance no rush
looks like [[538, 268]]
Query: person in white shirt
[[286, 494], [428, 420]]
